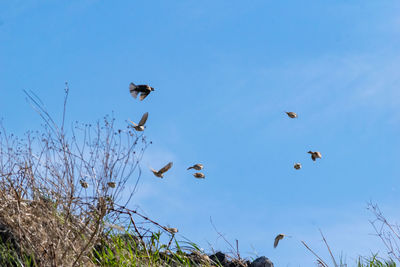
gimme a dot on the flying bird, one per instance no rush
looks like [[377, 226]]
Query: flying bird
[[143, 89], [277, 239], [197, 167], [315, 155], [199, 175], [162, 170], [297, 166], [140, 126], [291, 114], [111, 184], [84, 184]]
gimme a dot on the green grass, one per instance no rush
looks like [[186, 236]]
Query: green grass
[[127, 250], [374, 261], [10, 257]]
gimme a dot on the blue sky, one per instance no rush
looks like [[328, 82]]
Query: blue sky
[[224, 72]]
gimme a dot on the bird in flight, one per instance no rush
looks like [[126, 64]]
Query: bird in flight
[[291, 114], [197, 167], [140, 126], [199, 175], [297, 166], [315, 155], [111, 184], [277, 239], [143, 89], [84, 184], [161, 172]]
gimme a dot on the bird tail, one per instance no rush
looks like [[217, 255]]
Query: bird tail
[[190, 168]]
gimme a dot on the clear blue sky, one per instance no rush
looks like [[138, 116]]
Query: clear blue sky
[[224, 72]]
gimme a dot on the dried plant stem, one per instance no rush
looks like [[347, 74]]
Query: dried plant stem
[[321, 260], [330, 252]]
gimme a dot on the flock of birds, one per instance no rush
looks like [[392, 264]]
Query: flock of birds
[[143, 91], [314, 156]]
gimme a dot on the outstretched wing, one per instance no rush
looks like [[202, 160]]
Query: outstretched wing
[[143, 119], [134, 93], [133, 123], [143, 95], [166, 167], [132, 90], [277, 239], [154, 171]]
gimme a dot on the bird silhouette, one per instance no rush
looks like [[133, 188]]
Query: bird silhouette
[[111, 184], [277, 239], [199, 175], [297, 166], [143, 89], [140, 126], [197, 167], [84, 184], [315, 155], [291, 114], [161, 172]]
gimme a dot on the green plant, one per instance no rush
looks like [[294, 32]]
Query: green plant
[[128, 250], [374, 261]]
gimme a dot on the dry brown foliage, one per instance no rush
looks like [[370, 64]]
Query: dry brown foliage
[[388, 232], [51, 216]]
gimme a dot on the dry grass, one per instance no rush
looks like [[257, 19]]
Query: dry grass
[[63, 193], [42, 203]]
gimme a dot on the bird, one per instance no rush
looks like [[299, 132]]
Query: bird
[[197, 167], [315, 155], [143, 89], [140, 126], [111, 184], [199, 175], [277, 239], [84, 184], [172, 230], [291, 114], [297, 166], [162, 170]]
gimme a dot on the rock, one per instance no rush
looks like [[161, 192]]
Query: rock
[[237, 263], [220, 257], [199, 258], [262, 262]]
